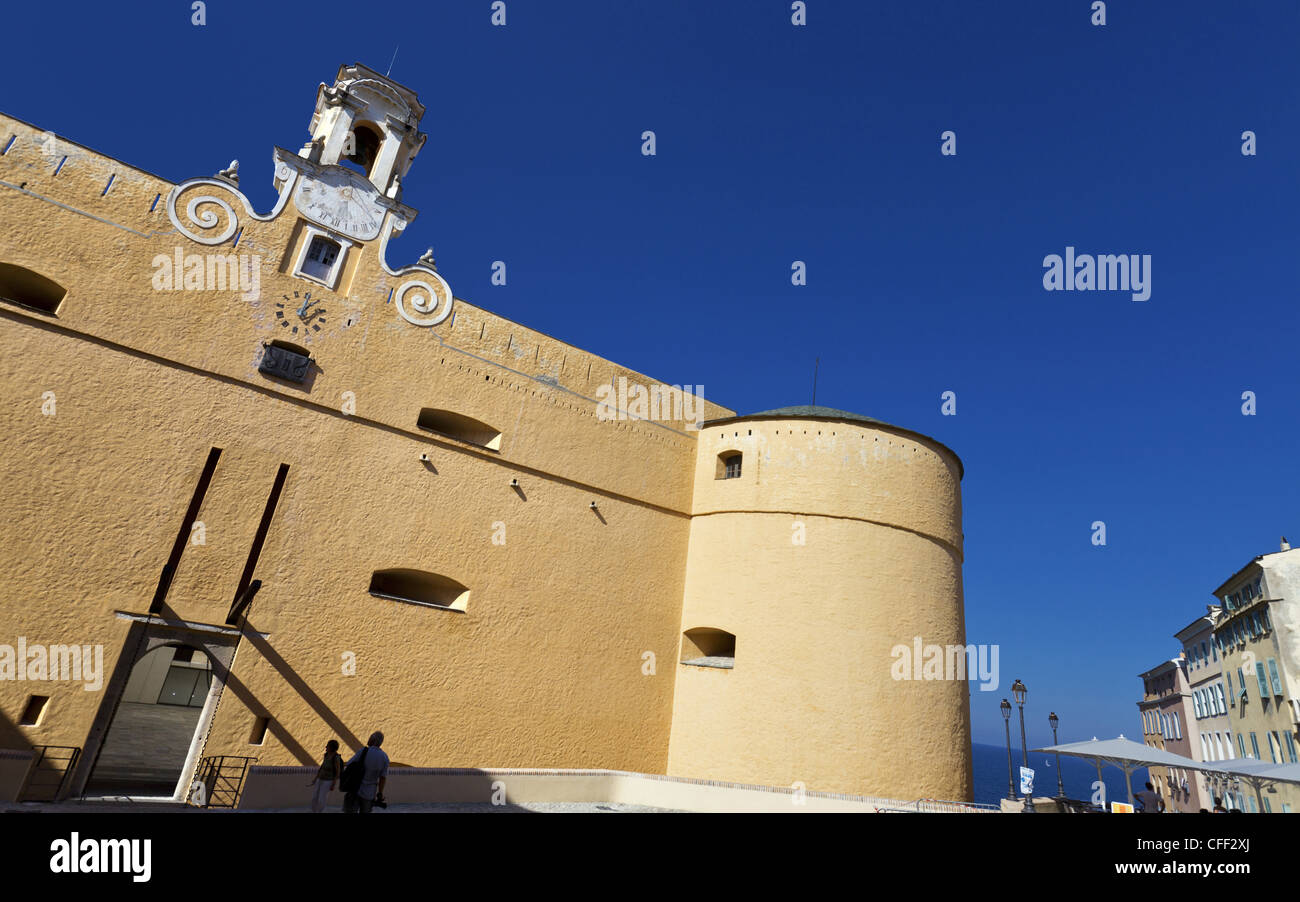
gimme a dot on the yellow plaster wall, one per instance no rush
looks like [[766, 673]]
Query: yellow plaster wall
[[811, 698], [545, 666]]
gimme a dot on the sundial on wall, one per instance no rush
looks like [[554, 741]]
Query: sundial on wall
[[341, 200]]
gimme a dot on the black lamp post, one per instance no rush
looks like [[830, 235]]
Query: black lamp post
[[1060, 786], [1011, 780], [1019, 692]]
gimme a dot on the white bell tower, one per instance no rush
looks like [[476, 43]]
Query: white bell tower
[[370, 120]]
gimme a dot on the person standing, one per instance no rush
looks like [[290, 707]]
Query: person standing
[[1151, 801], [372, 763], [327, 778]]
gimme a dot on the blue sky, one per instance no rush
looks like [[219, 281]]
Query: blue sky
[[822, 143]]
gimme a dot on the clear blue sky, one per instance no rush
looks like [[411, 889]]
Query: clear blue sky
[[821, 144]]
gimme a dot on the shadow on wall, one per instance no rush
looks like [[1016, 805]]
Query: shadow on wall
[[11, 737], [333, 723]]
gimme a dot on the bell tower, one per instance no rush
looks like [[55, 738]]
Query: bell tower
[[369, 120]]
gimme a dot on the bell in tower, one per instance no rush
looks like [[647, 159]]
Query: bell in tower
[[370, 121]]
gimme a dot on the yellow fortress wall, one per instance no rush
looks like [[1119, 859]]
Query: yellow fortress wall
[[840, 539], [114, 401]]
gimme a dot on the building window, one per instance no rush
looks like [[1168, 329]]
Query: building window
[[1254, 744], [459, 427], [729, 465], [322, 255], [419, 587], [1263, 680], [30, 289], [1241, 744], [260, 726], [1290, 746], [185, 685], [1273, 676], [709, 647], [1218, 690], [34, 711]]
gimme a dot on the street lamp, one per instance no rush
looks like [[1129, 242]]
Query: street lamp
[[1011, 780], [1019, 692], [1060, 787]]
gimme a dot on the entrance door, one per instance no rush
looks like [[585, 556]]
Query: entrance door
[[156, 724]]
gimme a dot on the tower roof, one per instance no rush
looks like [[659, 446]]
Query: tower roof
[[817, 412]]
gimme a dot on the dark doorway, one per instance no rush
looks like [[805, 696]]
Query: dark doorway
[[155, 725]]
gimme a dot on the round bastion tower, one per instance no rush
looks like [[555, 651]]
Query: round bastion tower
[[821, 542]]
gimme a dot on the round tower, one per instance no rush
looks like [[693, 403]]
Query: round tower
[[825, 553]]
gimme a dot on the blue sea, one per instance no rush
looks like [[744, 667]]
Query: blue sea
[[989, 763]]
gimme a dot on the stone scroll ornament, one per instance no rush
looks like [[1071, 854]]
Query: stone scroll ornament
[[423, 297], [209, 216]]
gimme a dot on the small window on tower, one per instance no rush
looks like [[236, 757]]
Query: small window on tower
[[728, 465], [321, 255]]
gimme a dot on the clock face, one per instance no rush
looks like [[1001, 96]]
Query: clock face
[[300, 316], [343, 201]]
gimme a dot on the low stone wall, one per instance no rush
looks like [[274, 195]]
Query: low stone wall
[[286, 787], [14, 765]]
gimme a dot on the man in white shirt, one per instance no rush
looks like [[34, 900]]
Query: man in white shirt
[[376, 776]]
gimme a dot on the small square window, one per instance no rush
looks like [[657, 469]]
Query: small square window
[[321, 256], [34, 711]]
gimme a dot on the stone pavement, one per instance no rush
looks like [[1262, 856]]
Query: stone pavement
[[98, 806]]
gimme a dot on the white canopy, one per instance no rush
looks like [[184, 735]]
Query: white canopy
[[1127, 755]]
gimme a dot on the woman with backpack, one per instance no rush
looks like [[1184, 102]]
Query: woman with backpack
[[327, 778]]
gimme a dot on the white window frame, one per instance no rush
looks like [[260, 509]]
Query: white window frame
[[311, 233]]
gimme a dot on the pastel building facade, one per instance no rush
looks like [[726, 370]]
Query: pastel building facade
[[1257, 631], [1165, 718], [1210, 730], [292, 491]]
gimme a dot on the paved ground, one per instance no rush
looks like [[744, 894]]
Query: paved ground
[[145, 749], [476, 808]]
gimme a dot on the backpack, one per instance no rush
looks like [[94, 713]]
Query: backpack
[[354, 773]]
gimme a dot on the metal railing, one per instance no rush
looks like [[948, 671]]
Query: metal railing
[[937, 806], [49, 772], [219, 781]]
